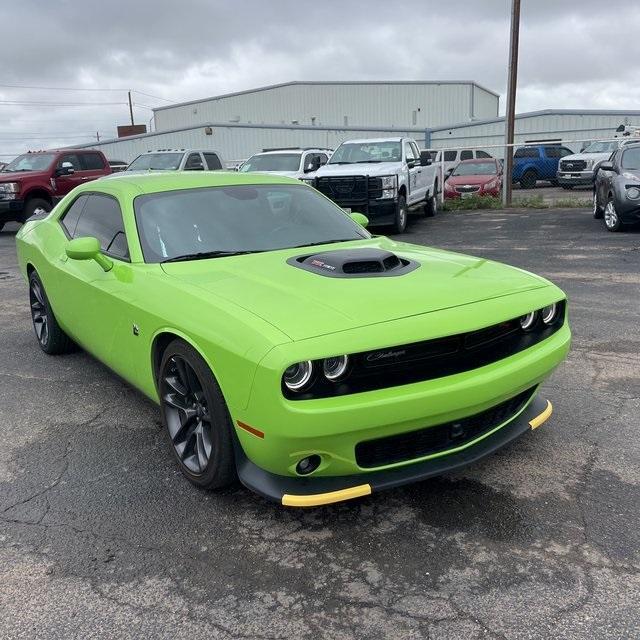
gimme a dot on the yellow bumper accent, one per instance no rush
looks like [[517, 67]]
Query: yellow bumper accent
[[543, 417], [326, 498]]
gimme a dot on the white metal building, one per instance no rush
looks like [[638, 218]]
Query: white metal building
[[549, 125], [339, 104], [239, 141]]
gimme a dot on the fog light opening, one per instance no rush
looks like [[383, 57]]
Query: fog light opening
[[308, 465]]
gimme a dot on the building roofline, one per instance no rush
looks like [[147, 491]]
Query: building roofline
[[542, 112], [243, 125], [325, 83]]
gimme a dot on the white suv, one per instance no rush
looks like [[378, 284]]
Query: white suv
[[293, 162]]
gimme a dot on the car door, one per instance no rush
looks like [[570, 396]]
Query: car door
[[92, 166], [67, 182], [212, 161], [604, 179], [194, 162], [414, 170], [96, 305]]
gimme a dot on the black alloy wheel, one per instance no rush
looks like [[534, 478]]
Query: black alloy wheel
[[51, 338], [196, 417]]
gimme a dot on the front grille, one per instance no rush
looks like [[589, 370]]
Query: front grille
[[572, 165], [350, 189], [467, 188], [441, 437], [398, 365]]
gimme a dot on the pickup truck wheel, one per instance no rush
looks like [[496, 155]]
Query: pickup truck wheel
[[529, 179], [400, 223], [36, 206], [597, 209], [431, 205], [196, 417], [611, 218]]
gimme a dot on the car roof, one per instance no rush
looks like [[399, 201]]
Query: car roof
[[368, 140], [176, 180]]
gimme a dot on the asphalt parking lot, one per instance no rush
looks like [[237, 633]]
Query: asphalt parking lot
[[101, 537]]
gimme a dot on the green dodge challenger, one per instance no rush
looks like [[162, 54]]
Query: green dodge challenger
[[285, 345]]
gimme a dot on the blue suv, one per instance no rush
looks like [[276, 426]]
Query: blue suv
[[537, 162]]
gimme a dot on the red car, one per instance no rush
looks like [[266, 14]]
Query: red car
[[479, 177], [34, 182]]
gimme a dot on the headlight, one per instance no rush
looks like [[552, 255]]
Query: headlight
[[527, 322], [9, 187], [335, 368], [633, 193], [630, 176], [389, 182], [307, 180], [298, 375], [549, 313], [588, 164]]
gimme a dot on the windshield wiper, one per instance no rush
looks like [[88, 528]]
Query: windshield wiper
[[203, 255], [370, 161], [313, 244], [340, 163]]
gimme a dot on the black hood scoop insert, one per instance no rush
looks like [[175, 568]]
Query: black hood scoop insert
[[354, 263]]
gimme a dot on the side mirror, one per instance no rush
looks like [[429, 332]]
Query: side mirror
[[66, 169], [606, 166], [448, 172], [425, 158], [88, 248], [359, 218]]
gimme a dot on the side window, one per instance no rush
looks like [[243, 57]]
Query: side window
[[416, 151], [311, 161], [565, 152], [324, 158], [526, 152], [73, 159], [483, 154], [408, 152], [91, 161], [213, 162], [194, 163], [102, 219], [71, 217], [450, 156], [466, 154]]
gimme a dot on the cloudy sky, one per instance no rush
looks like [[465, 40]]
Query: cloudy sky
[[573, 54]]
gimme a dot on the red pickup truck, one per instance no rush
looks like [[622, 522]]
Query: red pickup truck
[[34, 182]]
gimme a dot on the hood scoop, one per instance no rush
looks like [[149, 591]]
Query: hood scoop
[[354, 263]]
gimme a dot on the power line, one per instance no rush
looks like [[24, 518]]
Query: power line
[[38, 88], [31, 103]]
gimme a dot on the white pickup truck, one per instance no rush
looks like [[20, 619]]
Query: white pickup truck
[[380, 178]]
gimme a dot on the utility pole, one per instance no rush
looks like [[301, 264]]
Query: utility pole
[[509, 123], [130, 108], [98, 136]]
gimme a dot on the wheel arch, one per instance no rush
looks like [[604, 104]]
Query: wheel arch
[[402, 190], [38, 192]]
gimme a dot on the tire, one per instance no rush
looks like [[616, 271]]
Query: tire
[[196, 418], [35, 205], [529, 179], [400, 223], [431, 205], [1, 226], [51, 338], [611, 218], [597, 210], [554, 183], [567, 187]]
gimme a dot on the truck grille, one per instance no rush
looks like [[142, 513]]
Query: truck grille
[[449, 435], [350, 189], [572, 165]]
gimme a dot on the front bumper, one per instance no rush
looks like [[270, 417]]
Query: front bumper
[[11, 210], [321, 490], [574, 178], [379, 212]]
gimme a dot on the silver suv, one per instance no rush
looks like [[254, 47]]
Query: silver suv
[[177, 160]]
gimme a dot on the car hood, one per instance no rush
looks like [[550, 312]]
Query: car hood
[[16, 176], [477, 179], [303, 304], [596, 157], [361, 169]]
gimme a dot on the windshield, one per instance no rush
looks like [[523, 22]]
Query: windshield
[[31, 162], [631, 159], [354, 152], [601, 147], [475, 169], [241, 218], [272, 162], [156, 162]]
